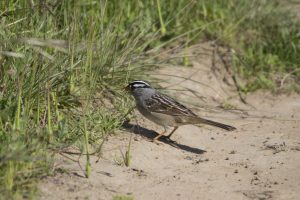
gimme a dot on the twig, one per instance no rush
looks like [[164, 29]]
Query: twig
[[233, 76], [287, 75]]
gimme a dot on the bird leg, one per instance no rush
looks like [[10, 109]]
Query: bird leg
[[173, 131], [160, 134]]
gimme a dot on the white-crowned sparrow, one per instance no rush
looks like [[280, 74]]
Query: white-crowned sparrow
[[164, 110]]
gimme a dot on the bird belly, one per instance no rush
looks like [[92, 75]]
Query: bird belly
[[164, 120], [158, 118]]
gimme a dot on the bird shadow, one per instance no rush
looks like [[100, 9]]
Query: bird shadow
[[150, 134]]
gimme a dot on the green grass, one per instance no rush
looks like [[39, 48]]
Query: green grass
[[63, 65], [123, 197], [63, 68], [264, 36]]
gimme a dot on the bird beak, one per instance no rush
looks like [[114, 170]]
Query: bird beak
[[127, 88]]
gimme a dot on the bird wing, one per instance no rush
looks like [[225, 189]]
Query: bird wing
[[160, 103]]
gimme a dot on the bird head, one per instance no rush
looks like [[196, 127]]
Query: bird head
[[131, 87]]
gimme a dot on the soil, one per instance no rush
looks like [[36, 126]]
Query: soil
[[260, 160]]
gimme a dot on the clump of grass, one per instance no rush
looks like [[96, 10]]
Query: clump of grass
[[127, 155], [63, 67], [119, 197], [228, 106], [263, 34]]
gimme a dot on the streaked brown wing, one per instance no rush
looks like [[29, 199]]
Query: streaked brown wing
[[163, 104]]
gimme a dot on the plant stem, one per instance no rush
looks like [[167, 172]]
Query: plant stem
[[17, 118], [86, 138], [162, 25], [50, 132]]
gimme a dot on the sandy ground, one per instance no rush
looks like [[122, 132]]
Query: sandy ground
[[260, 160]]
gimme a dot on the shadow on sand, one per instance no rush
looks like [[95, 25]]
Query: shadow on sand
[[151, 134]]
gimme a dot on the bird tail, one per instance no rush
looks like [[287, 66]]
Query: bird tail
[[217, 124]]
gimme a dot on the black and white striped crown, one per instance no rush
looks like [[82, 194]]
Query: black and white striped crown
[[138, 84]]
